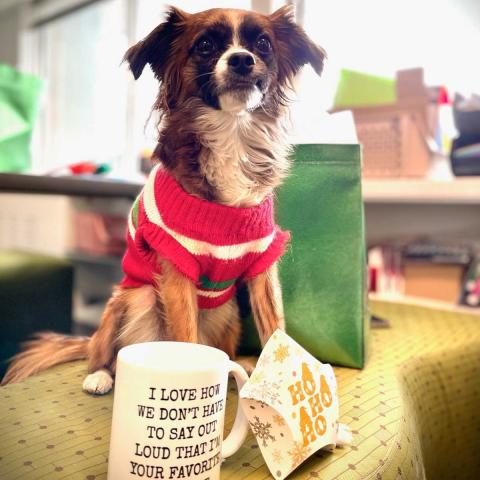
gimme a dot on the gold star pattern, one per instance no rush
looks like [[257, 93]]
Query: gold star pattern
[[281, 353], [278, 419]]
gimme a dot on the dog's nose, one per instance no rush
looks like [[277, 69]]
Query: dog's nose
[[241, 62]]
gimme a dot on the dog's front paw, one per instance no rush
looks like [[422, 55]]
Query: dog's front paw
[[98, 383]]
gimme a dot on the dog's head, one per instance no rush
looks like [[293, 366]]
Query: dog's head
[[233, 60]]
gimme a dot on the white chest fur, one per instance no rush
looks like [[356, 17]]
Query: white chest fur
[[244, 156]]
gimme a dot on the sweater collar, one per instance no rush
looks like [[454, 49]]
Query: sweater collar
[[167, 201]]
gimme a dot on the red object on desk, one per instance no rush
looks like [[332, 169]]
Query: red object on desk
[[82, 168]]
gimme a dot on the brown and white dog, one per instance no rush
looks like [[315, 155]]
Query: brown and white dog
[[224, 77]]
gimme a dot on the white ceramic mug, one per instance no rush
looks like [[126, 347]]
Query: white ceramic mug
[[169, 410]]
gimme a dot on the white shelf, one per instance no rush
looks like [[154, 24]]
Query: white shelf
[[464, 190]]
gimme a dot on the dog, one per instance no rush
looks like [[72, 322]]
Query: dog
[[204, 221]]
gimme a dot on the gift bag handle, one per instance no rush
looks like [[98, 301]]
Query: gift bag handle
[[240, 427]]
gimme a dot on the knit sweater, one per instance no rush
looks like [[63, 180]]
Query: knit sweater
[[216, 246]]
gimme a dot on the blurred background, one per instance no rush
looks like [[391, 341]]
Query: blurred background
[[401, 78]]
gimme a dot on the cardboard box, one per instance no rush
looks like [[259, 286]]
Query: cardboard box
[[436, 281], [395, 136]]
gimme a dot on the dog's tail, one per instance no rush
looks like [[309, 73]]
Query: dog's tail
[[44, 351]]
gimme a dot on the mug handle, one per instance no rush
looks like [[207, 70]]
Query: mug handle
[[241, 426]]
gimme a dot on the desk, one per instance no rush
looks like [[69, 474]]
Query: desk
[[73, 186], [413, 411]]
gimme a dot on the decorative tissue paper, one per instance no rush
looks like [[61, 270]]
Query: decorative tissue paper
[[291, 403]]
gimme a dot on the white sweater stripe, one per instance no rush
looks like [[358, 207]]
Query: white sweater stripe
[[199, 247], [213, 294], [131, 227]]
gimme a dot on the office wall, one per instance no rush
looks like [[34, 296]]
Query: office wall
[[9, 35]]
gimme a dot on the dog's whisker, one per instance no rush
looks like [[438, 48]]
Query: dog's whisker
[[203, 74]]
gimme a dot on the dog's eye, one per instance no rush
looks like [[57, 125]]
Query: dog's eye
[[263, 44], [205, 46]]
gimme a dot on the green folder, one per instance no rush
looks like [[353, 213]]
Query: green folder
[[357, 89], [323, 273], [19, 100]]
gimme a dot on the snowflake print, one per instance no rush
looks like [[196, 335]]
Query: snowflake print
[[298, 453], [278, 419], [262, 431], [268, 392], [277, 456], [259, 403], [281, 353]]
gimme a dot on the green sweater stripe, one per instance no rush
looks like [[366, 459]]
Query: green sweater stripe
[[205, 282], [135, 212]]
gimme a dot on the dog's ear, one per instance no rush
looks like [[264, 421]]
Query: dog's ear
[[295, 47], [155, 48]]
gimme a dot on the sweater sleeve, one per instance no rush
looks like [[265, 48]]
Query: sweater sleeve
[[137, 271], [275, 250]]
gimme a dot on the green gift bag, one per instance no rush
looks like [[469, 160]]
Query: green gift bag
[[323, 273], [19, 99]]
